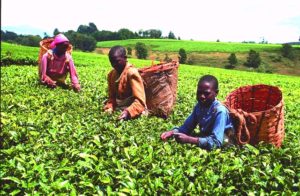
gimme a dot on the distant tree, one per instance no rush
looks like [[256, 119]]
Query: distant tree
[[105, 35], [56, 32], [141, 50], [9, 36], [114, 36], [129, 51], [140, 33], [71, 35], [287, 51], [179, 38], [85, 42], [136, 35], [155, 33], [2, 34], [125, 34], [90, 29], [146, 33], [83, 29], [81, 41], [253, 59], [232, 60], [29, 40], [182, 56], [171, 35], [218, 40]]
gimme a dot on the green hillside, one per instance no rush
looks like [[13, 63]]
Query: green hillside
[[58, 142], [167, 45], [215, 54]]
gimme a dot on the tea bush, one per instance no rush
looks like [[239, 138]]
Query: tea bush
[[59, 142]]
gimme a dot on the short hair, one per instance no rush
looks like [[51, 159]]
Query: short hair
[[211, 79], [119, 50]]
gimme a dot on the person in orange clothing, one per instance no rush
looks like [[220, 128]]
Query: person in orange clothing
[[125, 86]]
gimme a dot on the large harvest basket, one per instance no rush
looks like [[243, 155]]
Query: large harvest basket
[[263, 109], [160, 82], [45, 46]]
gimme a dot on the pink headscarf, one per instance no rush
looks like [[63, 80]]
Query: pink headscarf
[[58, 39]]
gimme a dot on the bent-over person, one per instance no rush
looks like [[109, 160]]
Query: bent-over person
[[125, 86], [57, 63]]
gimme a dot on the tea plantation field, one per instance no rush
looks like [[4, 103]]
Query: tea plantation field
[[169, 45], [60, 142]]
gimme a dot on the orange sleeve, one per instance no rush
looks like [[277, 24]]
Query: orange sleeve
[[138, 92], [111, 103]]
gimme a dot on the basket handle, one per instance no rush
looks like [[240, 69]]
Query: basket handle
[[241, 119]]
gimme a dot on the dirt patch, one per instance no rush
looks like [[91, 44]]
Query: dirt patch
[[102, 50]]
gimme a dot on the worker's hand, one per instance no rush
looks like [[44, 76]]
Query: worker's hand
[[183, 138], [165, 135], [50, 83], [108, 110], [124, 115], [76, 88]]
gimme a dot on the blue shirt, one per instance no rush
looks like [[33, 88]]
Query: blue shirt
[[212, 121]]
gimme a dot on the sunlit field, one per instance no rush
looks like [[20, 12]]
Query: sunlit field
[[60, 142]]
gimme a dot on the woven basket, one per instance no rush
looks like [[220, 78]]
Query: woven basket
[[45, 46], [266, 104], [160, 83]]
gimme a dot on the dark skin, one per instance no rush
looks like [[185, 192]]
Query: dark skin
[[61, 48], [206, 94], [118, 62]]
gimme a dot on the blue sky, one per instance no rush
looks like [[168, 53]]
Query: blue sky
[[230, 20]]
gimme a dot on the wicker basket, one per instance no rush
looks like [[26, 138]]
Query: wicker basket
[[160, 82], [265, 104], [45, 46]]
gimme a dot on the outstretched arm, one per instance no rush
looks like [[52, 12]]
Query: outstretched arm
[[44, 78], [73, 75], [189, 125]]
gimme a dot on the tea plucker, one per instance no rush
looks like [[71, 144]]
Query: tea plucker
[[125, 86]]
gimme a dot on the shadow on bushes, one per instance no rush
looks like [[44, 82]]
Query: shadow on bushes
[[8, 60]]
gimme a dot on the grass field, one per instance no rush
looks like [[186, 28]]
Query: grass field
[[57, 142], [215, 54], [167, 45]]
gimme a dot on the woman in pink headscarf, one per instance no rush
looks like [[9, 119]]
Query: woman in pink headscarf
[[57, 63]]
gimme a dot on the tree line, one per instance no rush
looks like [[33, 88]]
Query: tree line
[[27, 40], [87, 36]]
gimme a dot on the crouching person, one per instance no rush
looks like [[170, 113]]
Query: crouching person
[[211, 116], [57, 63], [125, 86]]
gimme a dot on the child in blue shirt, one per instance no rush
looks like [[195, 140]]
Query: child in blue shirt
[[211, 116]]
